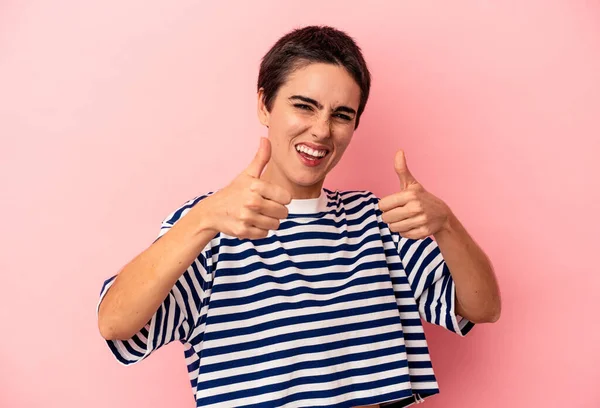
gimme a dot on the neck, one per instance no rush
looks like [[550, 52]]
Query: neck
[[272, 175]]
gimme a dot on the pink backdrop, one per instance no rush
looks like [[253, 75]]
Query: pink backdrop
[[113, 113]]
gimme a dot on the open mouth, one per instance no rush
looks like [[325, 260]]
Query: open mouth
[[309, 156]]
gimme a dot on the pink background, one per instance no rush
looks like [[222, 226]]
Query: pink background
[[114, 113]]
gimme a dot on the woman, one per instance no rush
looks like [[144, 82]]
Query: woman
[[288, 294]]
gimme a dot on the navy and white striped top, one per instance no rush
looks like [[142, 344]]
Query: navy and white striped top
[[324, 312]]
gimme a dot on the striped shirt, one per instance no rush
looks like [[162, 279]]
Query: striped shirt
[[326, 311]]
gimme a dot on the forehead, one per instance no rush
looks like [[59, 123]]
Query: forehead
[[327, 83]]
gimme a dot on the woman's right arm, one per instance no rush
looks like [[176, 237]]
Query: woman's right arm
[[144, 283], [246, 208]]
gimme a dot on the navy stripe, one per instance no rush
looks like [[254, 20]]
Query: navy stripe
[[419, 364], [416, 350], [408, 308], [138, 341], [410, 322], [422, 378], [414, 336]]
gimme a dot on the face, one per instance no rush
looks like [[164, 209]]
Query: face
[[310, 126]]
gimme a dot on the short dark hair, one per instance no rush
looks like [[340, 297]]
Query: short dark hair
[[307, 45]]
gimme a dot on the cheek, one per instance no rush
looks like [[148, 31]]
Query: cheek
[[283, 131], [343, 140], [295, 125], [341, 144], [288, 123]]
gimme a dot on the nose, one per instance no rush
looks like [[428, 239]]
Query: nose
[[321, 128]]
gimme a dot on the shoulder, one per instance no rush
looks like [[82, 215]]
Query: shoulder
[[182, 209]]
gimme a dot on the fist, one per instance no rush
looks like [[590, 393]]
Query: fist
[[412, 212], [248, 208]]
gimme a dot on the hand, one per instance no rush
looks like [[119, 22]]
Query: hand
[[413, 212], [249, 207]]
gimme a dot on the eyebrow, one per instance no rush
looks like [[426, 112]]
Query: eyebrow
[[319, 106]]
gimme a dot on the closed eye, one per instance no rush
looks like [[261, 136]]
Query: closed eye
[[342, 116], [303, 106]]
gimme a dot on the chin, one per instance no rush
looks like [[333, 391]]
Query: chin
[[306, 181]]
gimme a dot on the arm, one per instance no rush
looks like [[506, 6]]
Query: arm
[[477, 292], [247, 208], [144, 283], [416, 214]]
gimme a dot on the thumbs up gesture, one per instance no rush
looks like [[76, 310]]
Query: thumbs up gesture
[[413, 212], [249, 207]]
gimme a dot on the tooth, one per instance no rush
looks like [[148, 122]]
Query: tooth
[[310, 151]]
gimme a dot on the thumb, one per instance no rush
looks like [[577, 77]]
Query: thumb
[[404, 175], [262, 157]]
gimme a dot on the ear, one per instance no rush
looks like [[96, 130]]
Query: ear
[[263, 112]]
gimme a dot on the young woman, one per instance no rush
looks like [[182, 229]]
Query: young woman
[[286, 294]]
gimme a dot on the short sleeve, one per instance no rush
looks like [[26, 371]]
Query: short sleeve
[[180, 312], [431, 283]]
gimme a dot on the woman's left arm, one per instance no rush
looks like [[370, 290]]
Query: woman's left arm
[[477, 292], [415, 213]]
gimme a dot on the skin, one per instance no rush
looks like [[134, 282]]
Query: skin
[[315, 106], [328, 122]]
